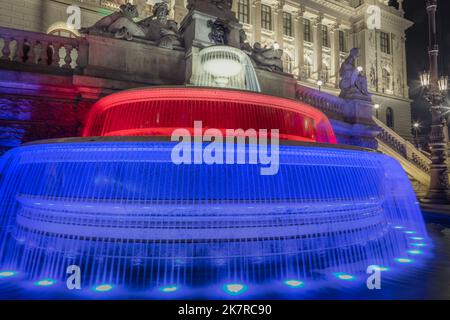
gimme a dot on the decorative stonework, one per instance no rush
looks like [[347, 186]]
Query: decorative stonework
[[219, 31], [157, 28]]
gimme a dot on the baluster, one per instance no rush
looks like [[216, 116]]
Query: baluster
[[31, 55], [6, 51], [43, 57], [18, 55], [68, 57], [55, 57]]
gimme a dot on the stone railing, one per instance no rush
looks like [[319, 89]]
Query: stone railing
[[32, 48], [327, 103], [403, 147]]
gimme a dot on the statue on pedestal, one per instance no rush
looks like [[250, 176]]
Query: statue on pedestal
[[353, 83]]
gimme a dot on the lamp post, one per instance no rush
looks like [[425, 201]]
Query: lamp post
[[320, 84], [435, 91], [376, 107], [416, 127]]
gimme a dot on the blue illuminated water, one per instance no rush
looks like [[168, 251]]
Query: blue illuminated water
[[139, 225]]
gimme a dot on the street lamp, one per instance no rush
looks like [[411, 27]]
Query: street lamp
[[425, 79], [376, 106], [443, 85], [319, 83], [416, 127], [435, 92]]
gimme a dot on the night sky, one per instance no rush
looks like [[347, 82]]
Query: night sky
[[417, 56]]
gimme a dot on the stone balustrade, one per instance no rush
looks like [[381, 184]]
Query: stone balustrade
[[48, 51], [403, 147], [329, 104]]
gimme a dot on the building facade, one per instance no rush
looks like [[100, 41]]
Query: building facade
[[315, 35]]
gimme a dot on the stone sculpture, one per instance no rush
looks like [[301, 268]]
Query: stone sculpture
[[156, 28], [160, 29], [219, 31], [120, 24], [353, 83], [267, 58]]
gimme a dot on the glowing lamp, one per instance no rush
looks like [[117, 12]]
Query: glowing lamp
[[103, 288], [45, 283], [169, 289], [443, 84], [7, 274], [403, 260], [415, 252], [294, 283], [235, 288], [425, 79], [344, 276]]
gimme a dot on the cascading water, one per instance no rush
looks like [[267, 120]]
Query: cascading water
[[126, 214], [225, 67]]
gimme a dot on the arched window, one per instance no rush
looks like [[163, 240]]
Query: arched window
[[389, 117]]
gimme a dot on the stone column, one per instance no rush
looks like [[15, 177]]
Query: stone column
[[335, 61], [317, 28], [256, 20], [278, 22], [299, 41]]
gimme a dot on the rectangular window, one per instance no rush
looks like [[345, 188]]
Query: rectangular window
[[385, 43], [325, 40], [307, 29], [266, 17], [244, 11], [287, 24], [341, 41]]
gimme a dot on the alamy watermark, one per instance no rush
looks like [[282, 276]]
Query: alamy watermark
[[228, 149], [74, 17]]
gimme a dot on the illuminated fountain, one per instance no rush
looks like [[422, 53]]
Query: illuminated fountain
[[118, 207]]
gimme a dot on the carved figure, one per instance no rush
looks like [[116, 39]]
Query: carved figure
[[120, 24], [245, 46], [219, 31], [353, 82], [160, 29], [268, 58]]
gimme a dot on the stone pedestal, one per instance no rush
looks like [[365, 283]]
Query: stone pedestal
[[276, 84], [137, 61]]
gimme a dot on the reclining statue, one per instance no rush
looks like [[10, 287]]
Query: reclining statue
[[267, 58], [353, 83], [263, 57], [160, 29], [156, 28], [119, 23]]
